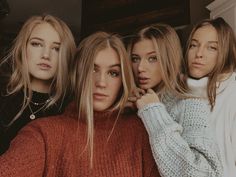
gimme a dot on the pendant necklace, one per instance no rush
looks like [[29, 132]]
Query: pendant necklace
[[32, 115]]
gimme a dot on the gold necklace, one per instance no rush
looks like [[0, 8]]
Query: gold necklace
[[32, 115]]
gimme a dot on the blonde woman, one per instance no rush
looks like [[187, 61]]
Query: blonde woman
[[94, 137], [211, 62], [176, 123], [40, 58]]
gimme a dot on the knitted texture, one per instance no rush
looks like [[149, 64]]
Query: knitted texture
[[222, 119], [57, 148], [179, 137]]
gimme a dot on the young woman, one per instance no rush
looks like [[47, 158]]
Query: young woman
[[37, 87], [211, 61], [176, 123], [93, 137]]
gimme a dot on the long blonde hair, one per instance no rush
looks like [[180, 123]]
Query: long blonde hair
[[83, 74], [167, 44], [226, 60], [20, 77]]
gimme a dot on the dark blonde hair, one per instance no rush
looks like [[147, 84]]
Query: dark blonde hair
[[226, 60], [167, 44], [83, 75], [20, 77]]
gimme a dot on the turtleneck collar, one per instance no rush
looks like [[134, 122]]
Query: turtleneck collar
[[198, 88], [99, 116]]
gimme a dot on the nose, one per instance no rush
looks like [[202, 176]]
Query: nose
[[142, 65], [100, 80], [199, 53], [46, 53]]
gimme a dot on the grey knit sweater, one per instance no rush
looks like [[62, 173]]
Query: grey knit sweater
[[179, 135]]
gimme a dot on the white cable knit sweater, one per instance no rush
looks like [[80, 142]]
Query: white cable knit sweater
[[180, 139], [222, 119]]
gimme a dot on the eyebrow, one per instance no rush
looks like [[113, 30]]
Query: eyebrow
[[195, 40], [152, 52], [115, 65], [37, 38]]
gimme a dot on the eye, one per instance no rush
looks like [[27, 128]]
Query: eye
[[114, 73], [135, 59], [212, 48], [56, 48], [36, 44], [192, 45], [95, 69], [152, 59]]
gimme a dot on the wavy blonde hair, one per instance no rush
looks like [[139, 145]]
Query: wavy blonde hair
[[83, 75], [20, 77], [167, 44], [226, 60]]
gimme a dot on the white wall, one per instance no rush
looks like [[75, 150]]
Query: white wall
[[225, 9]]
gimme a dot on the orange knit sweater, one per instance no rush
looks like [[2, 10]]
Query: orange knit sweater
[[55, 147]]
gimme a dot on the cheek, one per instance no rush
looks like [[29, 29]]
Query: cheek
[[190, 56], [116, 86], [135, 69]]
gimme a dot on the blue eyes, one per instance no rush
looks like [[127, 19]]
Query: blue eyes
[[39, 44], [137, 59], [112, 73]]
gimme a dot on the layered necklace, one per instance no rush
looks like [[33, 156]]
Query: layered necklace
[[41, 105]]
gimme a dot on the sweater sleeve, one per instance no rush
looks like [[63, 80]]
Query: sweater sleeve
[[233, 138], [184, 148], [26, 155]]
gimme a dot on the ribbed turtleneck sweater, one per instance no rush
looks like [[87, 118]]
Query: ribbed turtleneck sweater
[[11, 105], [57, 148]]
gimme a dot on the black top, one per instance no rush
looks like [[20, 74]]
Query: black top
[[10, 106]]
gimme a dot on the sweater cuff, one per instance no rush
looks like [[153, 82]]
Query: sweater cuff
[[156, 118]]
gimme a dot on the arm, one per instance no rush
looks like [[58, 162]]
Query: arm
[[184, 149], [26, 155]]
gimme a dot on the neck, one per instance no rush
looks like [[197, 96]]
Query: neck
[[40, 86]]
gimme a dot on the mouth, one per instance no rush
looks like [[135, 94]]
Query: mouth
[[44, 66], [99, 96], [197, 65], [143, 80]]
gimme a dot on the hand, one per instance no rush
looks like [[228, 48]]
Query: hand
[[136, 94], [149, 97]]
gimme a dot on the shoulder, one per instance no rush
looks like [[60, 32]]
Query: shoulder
[[132, 122], [52, 125]]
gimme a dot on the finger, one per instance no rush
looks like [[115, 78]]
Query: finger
[[132, 99], [141, 91], [130, 105]]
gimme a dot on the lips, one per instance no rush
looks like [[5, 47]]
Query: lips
[[143, 80], [197, 65], [44, 66], [99, 96]]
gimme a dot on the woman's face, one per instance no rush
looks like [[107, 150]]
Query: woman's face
[[203, 52], [107, 79], [146, 64], [42, 55]]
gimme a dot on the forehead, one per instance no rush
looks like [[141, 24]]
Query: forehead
[[143, 46], [206, 33], [45, 31], [107, 57]]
